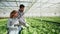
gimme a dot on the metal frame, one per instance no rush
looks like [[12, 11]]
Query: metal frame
[[29, 6]]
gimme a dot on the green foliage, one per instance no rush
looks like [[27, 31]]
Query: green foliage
[[39, 25]]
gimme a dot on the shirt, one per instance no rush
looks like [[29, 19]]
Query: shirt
[[21, 18], [11, 24]]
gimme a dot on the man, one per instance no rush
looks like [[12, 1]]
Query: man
[[21, 17], [21, 13]]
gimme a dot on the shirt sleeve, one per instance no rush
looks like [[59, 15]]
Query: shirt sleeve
[[22, 22]]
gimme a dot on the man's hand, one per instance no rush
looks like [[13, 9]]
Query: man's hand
[[27, 25], [23, 27]]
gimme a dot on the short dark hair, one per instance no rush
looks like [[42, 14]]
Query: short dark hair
[[21, 6]]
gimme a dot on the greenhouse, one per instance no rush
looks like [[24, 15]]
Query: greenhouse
[[42, 16]]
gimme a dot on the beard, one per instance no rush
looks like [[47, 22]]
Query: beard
[[21, 10]]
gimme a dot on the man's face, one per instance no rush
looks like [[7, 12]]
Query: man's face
[[22, 9]]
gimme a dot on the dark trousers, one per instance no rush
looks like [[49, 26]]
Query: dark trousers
[[20, 30]]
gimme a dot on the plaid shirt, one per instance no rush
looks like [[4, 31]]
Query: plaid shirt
[[21, 18], [20, 14]]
